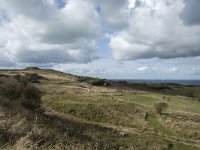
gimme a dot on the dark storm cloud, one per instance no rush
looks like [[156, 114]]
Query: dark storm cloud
[[52, 56], [191, 12], [113, 13], [138, 3], [6, 64], [36, 9]]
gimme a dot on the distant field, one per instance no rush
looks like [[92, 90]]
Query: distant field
[[176, 103], [182, 82]]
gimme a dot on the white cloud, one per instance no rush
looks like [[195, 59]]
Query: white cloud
[[142, 68], [114, 13], [172, 70], [66, 35], [36, 31], [156, 30], [177, 68]]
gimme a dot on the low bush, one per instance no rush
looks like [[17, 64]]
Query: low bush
[[33, 77], [31, 98], [122, 82], [6, 103], [14, 92], [152, 86], [160, 107], [3, 75], [32, 68], [192, 94], [99, 82], [158, 86], [4, 137], [11, 88], [94, 81], [21, 79]]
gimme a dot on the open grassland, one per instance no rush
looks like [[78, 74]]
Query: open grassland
[[176, 103], [83, 116]]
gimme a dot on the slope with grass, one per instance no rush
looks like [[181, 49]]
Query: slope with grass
[[85, 113]]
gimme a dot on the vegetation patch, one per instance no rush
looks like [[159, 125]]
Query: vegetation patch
[[179, 146], [14, 92], [153, 121], [78, 115], [160, 107], [94, 81]]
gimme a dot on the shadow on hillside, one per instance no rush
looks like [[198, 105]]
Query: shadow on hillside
[[83, 132]]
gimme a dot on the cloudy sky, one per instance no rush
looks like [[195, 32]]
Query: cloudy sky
[[124, 39]]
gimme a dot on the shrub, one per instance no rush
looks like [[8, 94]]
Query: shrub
[[160, 107], [94, 81], [6, 103], [4, 137], [3, 75], [31, 98], [158, 86], [14, 92], [83, 79], [21, 79], [33, 77], [10, 88], [191, 94], [122, 82], [32, 68], [99, 82]]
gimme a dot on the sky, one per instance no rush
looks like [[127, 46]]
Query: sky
[[113, 39]]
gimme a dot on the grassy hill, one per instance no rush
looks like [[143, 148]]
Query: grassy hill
[[73, 112]]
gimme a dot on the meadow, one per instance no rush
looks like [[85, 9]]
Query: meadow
[[88, 113]]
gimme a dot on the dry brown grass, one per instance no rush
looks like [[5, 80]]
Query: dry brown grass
[[81, 116]]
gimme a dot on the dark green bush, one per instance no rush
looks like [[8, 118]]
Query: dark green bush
[[3, 75], [4, 136], [152, 86], [158, 86], [99, 82], [29, 78], [31, 98], [32, 68], [6, 103], [160, 107], [191, 94], [122, 82], [33, 77], [14, 92], [21, 79], [94, 81], [11, 88]]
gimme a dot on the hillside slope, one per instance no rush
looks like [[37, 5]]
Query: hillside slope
[[99, 114]]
